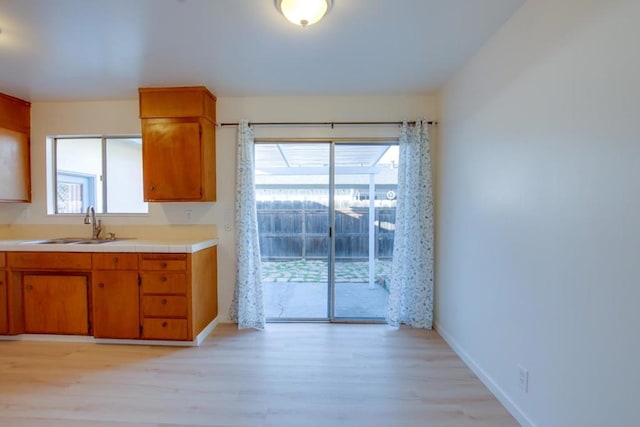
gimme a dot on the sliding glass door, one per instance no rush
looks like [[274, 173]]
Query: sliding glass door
[[326, 212], [293, 202], [366, 178]]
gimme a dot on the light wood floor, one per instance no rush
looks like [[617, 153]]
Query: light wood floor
[[289, 375]]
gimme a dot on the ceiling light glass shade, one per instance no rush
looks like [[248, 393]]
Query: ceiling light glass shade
[[303, 12]]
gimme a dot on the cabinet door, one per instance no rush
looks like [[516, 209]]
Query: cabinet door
[[15, 176], [56, 304], [171, 158], [4, 320], [116, 304]]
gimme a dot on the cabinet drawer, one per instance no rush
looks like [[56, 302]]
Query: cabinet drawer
[[2, 260], [162, 305], [164, 263], [49, 260], [115, 261], [164, 283], [164, 329]]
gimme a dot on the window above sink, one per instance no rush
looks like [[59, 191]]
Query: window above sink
[[102, 171]]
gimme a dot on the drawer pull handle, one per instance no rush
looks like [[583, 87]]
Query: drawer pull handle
[[163, 279], [101, 285], [163, 301], [163, 265], [28, 287], [164, 324]]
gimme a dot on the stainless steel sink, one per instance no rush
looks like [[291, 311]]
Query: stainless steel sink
[[56, 241], [95, 241]]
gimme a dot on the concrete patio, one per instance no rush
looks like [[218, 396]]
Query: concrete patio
[[299, 289]]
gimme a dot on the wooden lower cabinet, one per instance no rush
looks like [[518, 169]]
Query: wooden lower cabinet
[[165, 284], [4, 308], [116, 307], [56, 304], [152, 296], [179, 294], [115, 295]]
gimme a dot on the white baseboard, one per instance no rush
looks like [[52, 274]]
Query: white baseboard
[[494, 388], [86, 339], [48, 337], [206, 331]]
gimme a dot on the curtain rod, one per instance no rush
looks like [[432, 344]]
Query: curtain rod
[[332, 124]]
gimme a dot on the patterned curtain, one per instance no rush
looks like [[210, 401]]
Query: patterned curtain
[[247, 308], [411, 288]]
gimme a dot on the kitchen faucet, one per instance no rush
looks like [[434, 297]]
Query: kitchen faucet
[[96, 226]]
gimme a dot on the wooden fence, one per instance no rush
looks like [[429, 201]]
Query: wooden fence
[[299, 230]]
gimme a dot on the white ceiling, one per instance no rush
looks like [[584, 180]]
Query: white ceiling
[[106, 49]]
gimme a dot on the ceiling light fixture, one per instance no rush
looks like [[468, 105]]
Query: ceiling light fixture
[[303, 12]]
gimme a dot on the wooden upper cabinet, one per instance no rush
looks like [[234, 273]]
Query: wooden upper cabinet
[[15, 170], [178, 144], [176, 102], [15, 113]]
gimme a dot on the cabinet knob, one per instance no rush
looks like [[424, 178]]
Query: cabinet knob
[[163, 301], [163, 265], [152, 188], [162, 279], [101, 285], [164, 324], [28, 287], [115, 259]]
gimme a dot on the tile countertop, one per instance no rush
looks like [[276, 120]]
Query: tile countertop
[[124, 245]]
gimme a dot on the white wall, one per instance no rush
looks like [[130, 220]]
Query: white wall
[[538, 226], [121, 117]]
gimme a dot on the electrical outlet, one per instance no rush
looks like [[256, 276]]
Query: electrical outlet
[[523, 379], [188, 216]]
